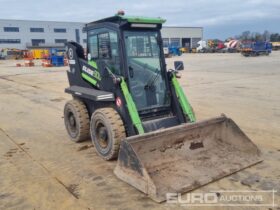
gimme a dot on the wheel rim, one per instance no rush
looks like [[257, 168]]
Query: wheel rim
[[102, 134], [72, 124]]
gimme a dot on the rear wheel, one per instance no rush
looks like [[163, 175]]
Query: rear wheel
[[76, 120], [107, 131]]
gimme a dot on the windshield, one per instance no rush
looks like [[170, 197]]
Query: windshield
[[146, 77]]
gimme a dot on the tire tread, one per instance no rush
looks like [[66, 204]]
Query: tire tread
[[118, 129], [83, 118]]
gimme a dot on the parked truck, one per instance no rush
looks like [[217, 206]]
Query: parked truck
[[250, 48], [210, 46], [232, 46]]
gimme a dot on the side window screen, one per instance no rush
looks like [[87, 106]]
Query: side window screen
[[139, 46], [114, 44], [93, 46], [115, 58], [104, 45]]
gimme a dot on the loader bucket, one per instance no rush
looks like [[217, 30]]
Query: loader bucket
[[185, 157]]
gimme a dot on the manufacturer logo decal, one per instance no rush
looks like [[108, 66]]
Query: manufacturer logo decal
[[70, 53], [91, 72]]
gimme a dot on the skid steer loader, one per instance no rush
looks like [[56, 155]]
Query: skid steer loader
[[134, 109]]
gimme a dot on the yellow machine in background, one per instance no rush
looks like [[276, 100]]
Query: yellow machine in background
[[275, 45], [40, 53], [184, 50]]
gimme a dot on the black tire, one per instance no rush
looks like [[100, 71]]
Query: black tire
[[107, 131], [76, 120]]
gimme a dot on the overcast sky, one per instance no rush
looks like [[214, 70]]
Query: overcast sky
[[220, 18]]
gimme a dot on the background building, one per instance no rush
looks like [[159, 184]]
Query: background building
[[182, 36], [26, 34], [22, 34]]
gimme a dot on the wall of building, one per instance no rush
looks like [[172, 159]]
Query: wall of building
[[183, 34], [171, 35], [25, 36]]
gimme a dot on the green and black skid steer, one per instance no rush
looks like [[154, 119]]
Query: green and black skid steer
[[135, 110]]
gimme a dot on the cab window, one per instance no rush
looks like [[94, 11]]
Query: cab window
[[93, 46], [105, 46]]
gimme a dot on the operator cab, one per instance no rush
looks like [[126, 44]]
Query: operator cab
[[131, 47]]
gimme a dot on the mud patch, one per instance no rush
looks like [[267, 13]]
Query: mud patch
[[196, 145], [250, 180], [84, 147], [7, 79], [5, 195], [115, 196], [100, 184], [153, 149], [34, 86], [164, 148], [178, 145], [21, 113], [147, 205], [11, 152], [73, 189], [97, 178], [57, 99], [270, 185]]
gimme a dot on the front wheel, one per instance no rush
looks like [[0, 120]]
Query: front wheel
[[107, 131]]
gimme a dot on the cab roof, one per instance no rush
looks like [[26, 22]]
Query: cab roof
[[130, 19]]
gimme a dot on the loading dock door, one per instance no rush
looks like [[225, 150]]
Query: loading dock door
[[186, 42]]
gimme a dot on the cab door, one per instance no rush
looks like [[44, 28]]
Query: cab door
[[104, 55]]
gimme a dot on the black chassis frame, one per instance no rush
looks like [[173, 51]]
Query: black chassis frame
[[108, 89]]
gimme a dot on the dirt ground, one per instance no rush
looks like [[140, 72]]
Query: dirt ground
[[40, 168]]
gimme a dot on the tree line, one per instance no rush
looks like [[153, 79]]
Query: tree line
[[256, 36]]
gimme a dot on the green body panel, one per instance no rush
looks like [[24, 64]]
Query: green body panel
[[93, 64], [89, 79], [136, 19], [184, 103], [96, 73], [131, 108]]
